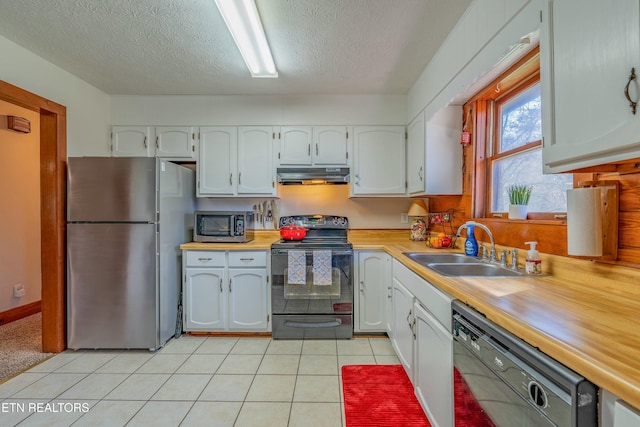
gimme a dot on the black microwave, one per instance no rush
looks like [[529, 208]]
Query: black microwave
[[216, 226]]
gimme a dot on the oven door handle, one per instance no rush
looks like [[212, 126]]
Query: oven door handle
[[325, 324], [334, 252]]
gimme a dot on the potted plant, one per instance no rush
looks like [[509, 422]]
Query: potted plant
[[519, 195]]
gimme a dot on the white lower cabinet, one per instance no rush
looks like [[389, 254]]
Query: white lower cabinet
[[203, 299], [247, 299], [402, 337], [614, 412], [423, 342], [373, 282], [225, 291], [433, 372]]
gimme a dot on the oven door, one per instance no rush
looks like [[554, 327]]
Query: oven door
[[316, 301]]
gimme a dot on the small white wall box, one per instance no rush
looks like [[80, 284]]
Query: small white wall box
[[18, 290]]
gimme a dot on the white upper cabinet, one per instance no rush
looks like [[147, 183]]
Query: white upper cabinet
[[236, 161], [176, 142], [379, 161], [434, 153], [256, 174], [415, 155], [295, 145], [588, 49], [146, 141], [217, 165], [317, 145], [443, 152], [330, 146], [132, 141]]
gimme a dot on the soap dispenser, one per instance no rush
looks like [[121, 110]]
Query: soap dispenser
[[471, 244], [533, 263]]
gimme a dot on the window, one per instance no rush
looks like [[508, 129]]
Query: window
[[510, 144]]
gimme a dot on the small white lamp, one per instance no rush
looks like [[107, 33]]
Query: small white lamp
[[417, 210]]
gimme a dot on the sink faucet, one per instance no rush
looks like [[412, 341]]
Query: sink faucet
[[492, 255]]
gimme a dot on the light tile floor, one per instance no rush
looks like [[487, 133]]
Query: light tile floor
[[192, 381]]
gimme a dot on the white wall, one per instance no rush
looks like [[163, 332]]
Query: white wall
[[87, 107], [259, 110], [467, 59], [374, 213], [20, 209]]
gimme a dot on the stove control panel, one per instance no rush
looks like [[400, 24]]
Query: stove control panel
[[315, 221]]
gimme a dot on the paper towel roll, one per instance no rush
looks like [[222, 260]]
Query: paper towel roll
[[584, 221]]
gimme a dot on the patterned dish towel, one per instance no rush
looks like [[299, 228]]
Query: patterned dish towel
[[322, 268], [297, 264]]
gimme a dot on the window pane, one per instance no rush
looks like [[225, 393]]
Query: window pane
[[520, 120], [549, 191]]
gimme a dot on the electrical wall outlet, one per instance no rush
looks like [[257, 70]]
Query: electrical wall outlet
[[18, 290], [404, 218]]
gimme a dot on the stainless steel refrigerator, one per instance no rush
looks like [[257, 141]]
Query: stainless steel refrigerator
[[126, 217]]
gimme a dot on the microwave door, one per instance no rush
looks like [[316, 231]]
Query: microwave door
[[215, 225]]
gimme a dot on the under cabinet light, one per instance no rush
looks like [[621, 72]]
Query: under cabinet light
[[243, 21]]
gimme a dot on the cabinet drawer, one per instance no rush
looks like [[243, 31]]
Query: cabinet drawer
[[247, 259], [205, 259]]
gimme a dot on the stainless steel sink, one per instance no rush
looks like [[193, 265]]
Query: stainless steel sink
[[460, 265], [445, 258], [473, 270]]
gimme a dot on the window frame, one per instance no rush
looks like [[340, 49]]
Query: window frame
[[520, 76]]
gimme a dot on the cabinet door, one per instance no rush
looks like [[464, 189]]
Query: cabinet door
[[216, 168], [295, 145], [402, 338], [374, 276], [588, 48], [443, 152], [247, 299], [625, 415], [256, 174], [176, 142], [330, 146], [379, 160], [132, 141], [204, 306], [433, 370], [416, 156]]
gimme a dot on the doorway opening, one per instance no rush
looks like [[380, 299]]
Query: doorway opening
[[53, 154]]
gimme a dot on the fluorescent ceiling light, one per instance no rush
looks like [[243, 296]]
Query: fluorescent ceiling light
[[243, 21]]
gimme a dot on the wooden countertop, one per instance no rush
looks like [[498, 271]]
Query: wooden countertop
[[262, 241], [582, 314]]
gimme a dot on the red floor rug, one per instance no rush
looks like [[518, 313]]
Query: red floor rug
[[380, 395]]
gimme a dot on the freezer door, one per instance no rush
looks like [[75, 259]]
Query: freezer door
[[112, 298], [111, 189]]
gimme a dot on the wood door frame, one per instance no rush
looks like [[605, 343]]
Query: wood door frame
[[53, 157]]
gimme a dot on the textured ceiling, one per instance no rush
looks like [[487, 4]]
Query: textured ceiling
[[182, 47]]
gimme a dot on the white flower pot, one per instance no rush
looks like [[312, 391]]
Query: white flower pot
[[517, 211]]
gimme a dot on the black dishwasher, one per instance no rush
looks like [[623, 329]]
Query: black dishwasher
[[501, 381]]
